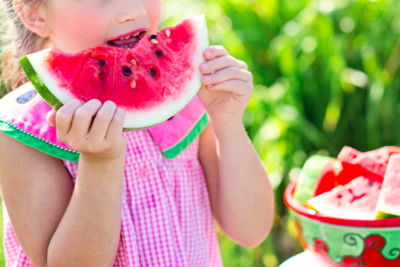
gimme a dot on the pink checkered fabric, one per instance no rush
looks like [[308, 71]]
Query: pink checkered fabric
[[166, 214]]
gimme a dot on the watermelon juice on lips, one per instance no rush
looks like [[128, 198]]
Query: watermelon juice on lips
[[151, 77], [349, 237]]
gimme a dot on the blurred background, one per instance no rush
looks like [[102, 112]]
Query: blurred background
[[325, 74]]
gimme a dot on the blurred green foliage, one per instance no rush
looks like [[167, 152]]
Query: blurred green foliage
[[325, 75]]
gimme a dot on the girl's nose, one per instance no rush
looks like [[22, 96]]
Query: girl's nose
[[131, 10]]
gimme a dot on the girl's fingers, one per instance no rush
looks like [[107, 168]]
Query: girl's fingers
[[235, 86], [221, 63], [214, 52], [227, 74], [64, 117], [102, 121], [116, 126], [83, 118], [51, 117]]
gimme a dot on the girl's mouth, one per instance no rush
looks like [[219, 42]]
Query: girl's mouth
[[128, 40]]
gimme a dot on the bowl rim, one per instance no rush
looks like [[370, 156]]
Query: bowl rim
[[298, 208]]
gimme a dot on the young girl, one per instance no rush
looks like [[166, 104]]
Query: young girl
[[124, 203]]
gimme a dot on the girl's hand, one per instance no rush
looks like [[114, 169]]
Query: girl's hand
[[100, 140], [227, 86]]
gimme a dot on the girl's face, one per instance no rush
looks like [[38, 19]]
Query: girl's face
[[80, 24]]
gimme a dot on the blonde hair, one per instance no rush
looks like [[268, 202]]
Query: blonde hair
[[17, 41]]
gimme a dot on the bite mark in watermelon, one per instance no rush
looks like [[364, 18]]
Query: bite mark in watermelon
[[389, 200], [356, 200], [151, 81]]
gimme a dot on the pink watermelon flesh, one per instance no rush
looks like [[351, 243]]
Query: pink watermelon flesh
[[160, 70], [131, 78], [326, 180], [356, 200], [389, 199], [376, 161], [373, 163], [348, 154]]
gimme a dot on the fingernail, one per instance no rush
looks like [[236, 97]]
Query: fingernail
[[207, 78], [208, 54], [120, 112], [205, 67]]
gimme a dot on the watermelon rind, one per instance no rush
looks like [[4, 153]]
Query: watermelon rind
[[308, 177], [385, 215], [38, 83], [47, 86]]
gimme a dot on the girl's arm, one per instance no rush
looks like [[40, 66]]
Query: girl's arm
[[241, 195], [56, 223]]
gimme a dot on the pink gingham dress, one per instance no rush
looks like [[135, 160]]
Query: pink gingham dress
[[166, 214]]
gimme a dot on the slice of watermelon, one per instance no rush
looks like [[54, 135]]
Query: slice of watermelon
[[389, 199], [309, 176], [327, 178], [347, 154], [356, 200], [372, 163], [376, 161], [151, 81]]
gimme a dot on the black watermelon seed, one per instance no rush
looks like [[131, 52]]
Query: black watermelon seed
[[101, 63], [127, 71], [159, 53], [171, 118], [153, 73], [153, 36]]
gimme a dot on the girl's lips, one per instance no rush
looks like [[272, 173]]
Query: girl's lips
[[129, 34], [128, 40]]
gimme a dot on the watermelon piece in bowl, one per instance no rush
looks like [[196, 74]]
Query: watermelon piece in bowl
[[356, 200], [372, 163], [344, 231], [321, 174], [389, 199], [310, 175], [345, 242], [152, 81]]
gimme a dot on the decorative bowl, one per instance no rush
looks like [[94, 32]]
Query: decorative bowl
[[346, 243]]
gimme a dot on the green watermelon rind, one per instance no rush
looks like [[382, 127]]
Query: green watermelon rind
[[385, 211], [385, 215], [308, 177], [39, 85]]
